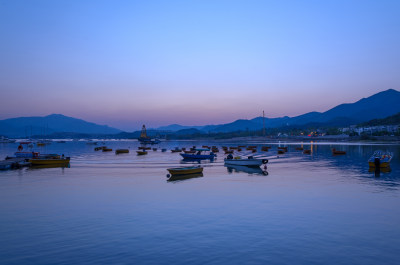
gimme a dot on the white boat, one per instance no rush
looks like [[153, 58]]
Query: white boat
[[248, 162]]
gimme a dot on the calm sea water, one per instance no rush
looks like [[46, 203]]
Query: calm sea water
[[120, 209]]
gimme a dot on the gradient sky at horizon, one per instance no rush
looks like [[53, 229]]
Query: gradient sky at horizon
[[128, 63]]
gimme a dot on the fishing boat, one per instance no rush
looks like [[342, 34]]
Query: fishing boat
[[107, 149], [201, 153], [144, 139], [185, 170], [51, 161], [140, 153], [248, 162], [381, 158], [121, 151], [337, 152]]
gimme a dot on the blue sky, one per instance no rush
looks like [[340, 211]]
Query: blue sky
[[125, 63]]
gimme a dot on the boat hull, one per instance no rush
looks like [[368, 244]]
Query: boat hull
[[185, 170], [197, 157], [58, 162], [244, 162]]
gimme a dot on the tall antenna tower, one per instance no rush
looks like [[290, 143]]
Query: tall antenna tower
[[263, 124]]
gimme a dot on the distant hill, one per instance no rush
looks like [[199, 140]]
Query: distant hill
[[54, 123], [377, 106], [177, 127], [391, 120]]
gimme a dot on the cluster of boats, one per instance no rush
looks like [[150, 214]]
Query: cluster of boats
[[38, 159]]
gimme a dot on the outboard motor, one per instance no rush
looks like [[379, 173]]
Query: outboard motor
[[377, 163]]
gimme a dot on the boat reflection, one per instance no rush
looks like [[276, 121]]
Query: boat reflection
[[377, 171], [196, 161], [184, 177], [249, 170], [49, 166]]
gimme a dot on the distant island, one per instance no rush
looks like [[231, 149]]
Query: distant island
[[374, 116]]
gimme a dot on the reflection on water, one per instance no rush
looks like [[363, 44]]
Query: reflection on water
[[120, 209], [248, 170], [184, 177]]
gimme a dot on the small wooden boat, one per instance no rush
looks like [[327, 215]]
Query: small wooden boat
[[107, 149], [98, 148], [55, 162], [140, 153], [121, 151], [144, 148], [380, 158], [307, 152], [185, 170], [281, 152], [283, 148], [265, 148], [228, 152], [337, 152]]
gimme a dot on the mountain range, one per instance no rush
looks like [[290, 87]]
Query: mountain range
[[380, 105], [29, 126], [377, 106]]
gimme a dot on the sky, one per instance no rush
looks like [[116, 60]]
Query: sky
[[128, 63]]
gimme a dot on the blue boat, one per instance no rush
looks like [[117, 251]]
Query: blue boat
[[201, 153]]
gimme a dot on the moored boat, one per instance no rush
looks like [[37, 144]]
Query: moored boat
[[337, 152], [50, 161], [107, 149], [201, 153], [140, 153], [380, 158], [248, 162], [184, 170], [121, 151]]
